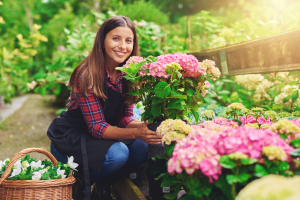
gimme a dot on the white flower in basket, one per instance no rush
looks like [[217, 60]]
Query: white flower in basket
[[71, 163]]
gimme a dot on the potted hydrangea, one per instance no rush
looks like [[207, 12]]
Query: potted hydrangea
[[169, 86]]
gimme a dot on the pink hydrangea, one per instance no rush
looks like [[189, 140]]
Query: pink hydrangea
[[225, 122], [202, 150], [158, 69], [249, 119], [262, 120], [189, 64], [209, 66], [211, 125]]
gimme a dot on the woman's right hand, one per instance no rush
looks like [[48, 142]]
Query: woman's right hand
[[146, 135]]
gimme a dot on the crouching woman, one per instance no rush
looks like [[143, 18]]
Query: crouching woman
[[98, 128]]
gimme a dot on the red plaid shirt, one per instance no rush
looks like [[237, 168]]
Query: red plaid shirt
[[92, 110]]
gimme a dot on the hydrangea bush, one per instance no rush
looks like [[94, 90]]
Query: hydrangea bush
[[217, 164], [222, 155], [171, 85]]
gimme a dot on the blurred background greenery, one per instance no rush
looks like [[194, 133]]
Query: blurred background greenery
[[42, 41]]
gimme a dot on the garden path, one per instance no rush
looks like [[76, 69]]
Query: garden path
[[27, 127]]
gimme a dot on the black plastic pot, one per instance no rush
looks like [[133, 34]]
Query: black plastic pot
[[137, 175], [155, 190], [155, 149]]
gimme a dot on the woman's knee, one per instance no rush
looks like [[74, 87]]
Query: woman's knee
[[139, 149], [118, 153]]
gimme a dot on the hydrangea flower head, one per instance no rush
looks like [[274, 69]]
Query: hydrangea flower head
[[274, 152], [212, 107], [173, 130], [246, 120], [236, 106], [253, 125], [284, 114], [273, 116], [237, 156], [257, 109], [264, 126], [208, 114], [285, 127], [296, 113], [173, 65], [225, 122]]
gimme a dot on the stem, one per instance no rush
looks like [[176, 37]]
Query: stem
[[291, 106], [233, 189]]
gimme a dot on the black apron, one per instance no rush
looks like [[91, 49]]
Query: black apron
[[70, 135]]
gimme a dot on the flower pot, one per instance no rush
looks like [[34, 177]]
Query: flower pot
[[155, 190], [155, 149], [137, 175]]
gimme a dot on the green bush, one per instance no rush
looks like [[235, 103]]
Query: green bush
[[141, 10]]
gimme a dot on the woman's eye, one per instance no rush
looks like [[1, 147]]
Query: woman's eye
[[129, 41], [115, 38]]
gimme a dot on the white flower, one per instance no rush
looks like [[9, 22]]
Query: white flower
[[16, 172], [37, 164], [71, 163], [18, 164], [2, 163], [61, 172], [43, 170], [36, 176]]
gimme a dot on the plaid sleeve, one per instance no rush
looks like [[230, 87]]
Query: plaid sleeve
[[93, 114], [126, 116]]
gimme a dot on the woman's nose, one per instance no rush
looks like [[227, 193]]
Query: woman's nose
[[122, 45]]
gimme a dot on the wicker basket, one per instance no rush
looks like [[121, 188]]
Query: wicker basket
[[32, 189]]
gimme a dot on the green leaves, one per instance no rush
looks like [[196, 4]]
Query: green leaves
[[177, 104], [169, 150], [295, 143], [260, 171], [248, 161], [226, 162], [295, 153], [132, 69], [169, 180], [295, 95], [162, 89], [286, 99]]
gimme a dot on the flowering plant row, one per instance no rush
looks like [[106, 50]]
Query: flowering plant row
[[171, 85], [33, 169], [217, 158]]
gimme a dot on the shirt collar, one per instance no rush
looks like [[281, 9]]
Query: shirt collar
[[108, 77]]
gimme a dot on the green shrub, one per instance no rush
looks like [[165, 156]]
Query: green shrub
[[142, 10]]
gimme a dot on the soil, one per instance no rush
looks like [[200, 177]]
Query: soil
[[27, 127]]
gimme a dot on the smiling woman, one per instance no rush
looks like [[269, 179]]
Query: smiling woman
[[99, 129]]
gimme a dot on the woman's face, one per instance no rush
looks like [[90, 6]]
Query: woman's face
[[118, 45]]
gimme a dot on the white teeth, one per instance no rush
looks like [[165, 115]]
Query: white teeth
[[120, 53]]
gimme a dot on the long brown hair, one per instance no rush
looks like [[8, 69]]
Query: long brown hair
[[90, 71]]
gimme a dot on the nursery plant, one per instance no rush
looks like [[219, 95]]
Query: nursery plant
[[169, 86]]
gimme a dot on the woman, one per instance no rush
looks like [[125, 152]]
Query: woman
[[99, 115]]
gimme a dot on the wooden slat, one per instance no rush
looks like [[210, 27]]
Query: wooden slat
[[265, 55]]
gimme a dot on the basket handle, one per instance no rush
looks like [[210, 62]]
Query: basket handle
[[23, 153]]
